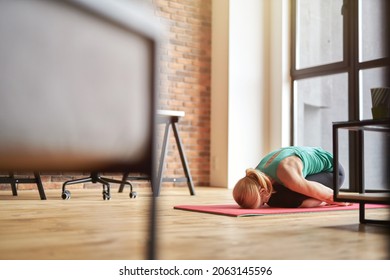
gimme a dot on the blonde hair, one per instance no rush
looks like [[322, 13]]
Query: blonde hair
[[249, 190]]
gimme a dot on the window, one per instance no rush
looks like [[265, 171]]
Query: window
[[340, 49]]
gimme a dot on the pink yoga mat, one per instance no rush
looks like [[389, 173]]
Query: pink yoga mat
[[235, 211]]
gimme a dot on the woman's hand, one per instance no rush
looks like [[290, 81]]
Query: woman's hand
[[331, 201], [341, 203]]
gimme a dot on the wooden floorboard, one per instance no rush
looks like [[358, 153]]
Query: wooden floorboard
[[87, 227]]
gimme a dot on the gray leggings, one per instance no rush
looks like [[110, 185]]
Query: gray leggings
[[284, 197], [326, 178]]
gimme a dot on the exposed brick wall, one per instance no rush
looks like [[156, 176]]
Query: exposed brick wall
[[185, 81], [185, 78]]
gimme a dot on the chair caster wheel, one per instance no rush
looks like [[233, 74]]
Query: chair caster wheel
[[133, 194], [66, 195], [106, 196]]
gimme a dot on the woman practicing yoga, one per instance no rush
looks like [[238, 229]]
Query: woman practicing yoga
[[290, 177]]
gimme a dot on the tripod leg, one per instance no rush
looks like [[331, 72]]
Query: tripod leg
[[183, 160], [13, 184], [122, 185], [40, 186]]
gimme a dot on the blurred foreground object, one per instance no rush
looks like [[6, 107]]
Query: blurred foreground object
[[77, 88], [76, 85]]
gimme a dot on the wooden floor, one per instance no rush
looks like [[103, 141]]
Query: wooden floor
[[86, 227]]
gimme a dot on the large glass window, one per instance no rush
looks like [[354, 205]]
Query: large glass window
[[340, 50], [374, 30], [319, 32], [319, 102]]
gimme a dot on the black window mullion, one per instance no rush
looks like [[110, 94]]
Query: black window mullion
[[381, 62], [317, 71], [355, 138], [352, 56]]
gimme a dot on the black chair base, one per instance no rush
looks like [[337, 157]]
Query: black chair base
[[96, 178]]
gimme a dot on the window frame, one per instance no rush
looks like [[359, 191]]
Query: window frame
[[350, 64]]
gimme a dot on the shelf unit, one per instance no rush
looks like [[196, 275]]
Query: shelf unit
[[361, 195]]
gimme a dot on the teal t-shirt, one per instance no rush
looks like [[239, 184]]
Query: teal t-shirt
[[314, 159]]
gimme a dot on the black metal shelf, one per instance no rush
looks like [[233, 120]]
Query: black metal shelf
[[361, 196]]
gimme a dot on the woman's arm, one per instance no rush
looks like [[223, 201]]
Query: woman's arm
[[312, 202], [290, 173]]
